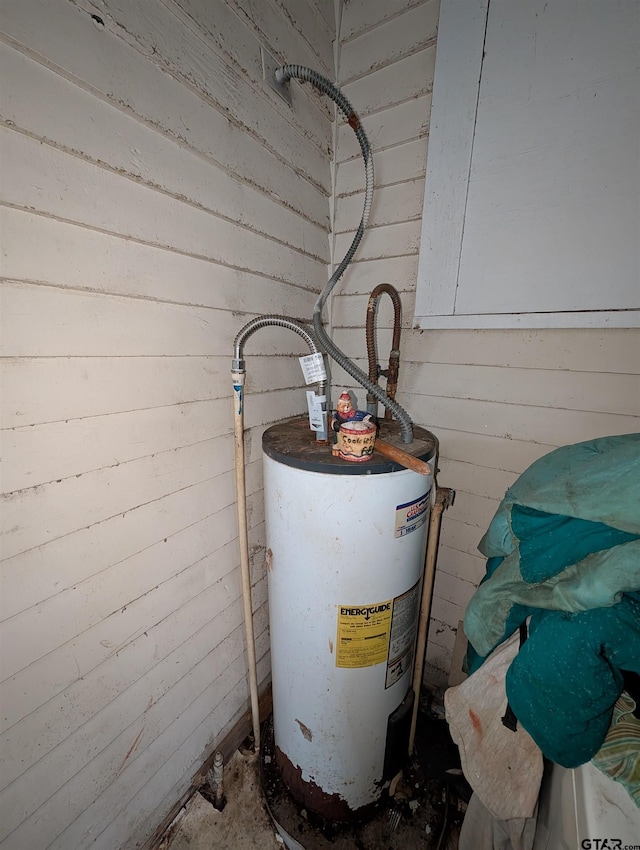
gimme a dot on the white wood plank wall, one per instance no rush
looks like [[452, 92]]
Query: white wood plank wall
[[497, 400], [155, 197]]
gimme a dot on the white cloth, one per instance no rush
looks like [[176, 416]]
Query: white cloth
[[481, 831], [504, 768]]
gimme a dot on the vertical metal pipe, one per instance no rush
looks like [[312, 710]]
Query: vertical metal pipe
[[444, 497]]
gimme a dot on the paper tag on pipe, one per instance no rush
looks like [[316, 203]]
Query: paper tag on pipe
[[317, 414], [313, 368]]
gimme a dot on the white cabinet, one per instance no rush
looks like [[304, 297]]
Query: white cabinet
[[532, 201]]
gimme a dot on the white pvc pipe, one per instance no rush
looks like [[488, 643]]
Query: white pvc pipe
[[238, 431]]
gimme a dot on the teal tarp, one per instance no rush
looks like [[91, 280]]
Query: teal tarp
[[564, 550]]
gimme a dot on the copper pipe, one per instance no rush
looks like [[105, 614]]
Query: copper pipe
[[403, 458], [391, 372], [444, 498]]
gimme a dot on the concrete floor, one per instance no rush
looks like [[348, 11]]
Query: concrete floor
[[244, 824]]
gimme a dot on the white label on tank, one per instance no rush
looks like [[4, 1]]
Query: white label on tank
[[400, 666], [404, 621], [411, 515], [317, 415], [313, 368]]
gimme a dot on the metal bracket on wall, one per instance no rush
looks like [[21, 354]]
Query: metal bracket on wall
[[269, 65]]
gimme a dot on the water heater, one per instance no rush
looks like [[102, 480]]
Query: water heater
[[345, 554]]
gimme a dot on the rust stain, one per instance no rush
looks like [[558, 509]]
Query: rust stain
[[330, 646], [131, 749], [268, 560], [475, 722], [308, 734], [329, 807]]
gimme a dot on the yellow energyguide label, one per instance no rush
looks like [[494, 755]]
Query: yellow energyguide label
[[363, 634]]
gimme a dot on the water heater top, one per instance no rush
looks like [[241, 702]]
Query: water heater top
[[293, 444]]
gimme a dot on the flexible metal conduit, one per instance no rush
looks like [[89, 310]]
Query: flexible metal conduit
[[238, 376], [264, 322], [391, 372], [299, 72]]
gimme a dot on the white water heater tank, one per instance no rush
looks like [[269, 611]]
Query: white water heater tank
[[345, 554]]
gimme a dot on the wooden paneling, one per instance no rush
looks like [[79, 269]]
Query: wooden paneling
[[402, 36], [42, 454], [107, 263], [361, 15], [112, 69], [410, 77], [392, 204], [555, 388], [512, 421], [38, 317], [66, 187], [460, 536], [215, 22], [190, 55], [156, 196], [122, 770], [109, 591], [194, 734], [277, 30], [74, 387], [391, 240], [572, 350], [393, 125], [454, 588], [68, 117], [305, 18], [44, 512], [394, 165], [362, 277], [352, 309], [30, 578]]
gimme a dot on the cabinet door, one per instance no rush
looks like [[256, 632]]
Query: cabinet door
[[532, 200]]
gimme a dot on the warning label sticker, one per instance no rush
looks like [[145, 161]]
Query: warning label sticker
[[397, 669], [363, 634], [412, 515], [403, 631]]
